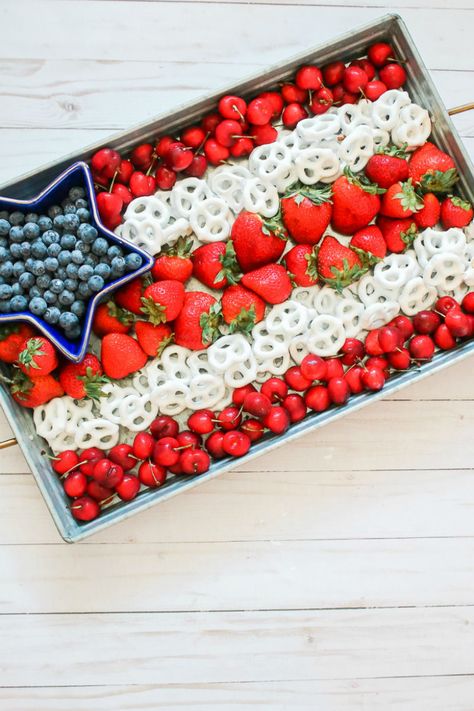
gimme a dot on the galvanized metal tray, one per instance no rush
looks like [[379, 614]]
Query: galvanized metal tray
[[422, 90]]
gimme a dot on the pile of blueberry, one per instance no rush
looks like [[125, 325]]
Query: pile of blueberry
[[51, 265]]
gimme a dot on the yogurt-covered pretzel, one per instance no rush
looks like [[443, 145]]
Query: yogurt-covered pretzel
[[351, 116], [413, 126], [356, 148], [316, 164], [377, 315], [150, 235], [416, 296], [211, 220], [174, 362], [273, 163], [325, 300], [370, 291], [187, 194], [431, 242], [260, 197], [155, 373], [49, 419], [395, 270], [137, 412], [318, 129], [198, 363], [227, 182], [99, 432], [326, 335], [241, 373], [270, 346], [227, 351], [149, 207], [171, 397], [469, 264], [299, 348], [350, 312], [386, 109], [304, 295], [444, 271], [289, 318], [113, 395], [205, 391]]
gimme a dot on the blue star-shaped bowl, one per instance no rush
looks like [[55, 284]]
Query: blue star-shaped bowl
[[77, 175]]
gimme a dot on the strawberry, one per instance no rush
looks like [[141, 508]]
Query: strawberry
[[129, 297], [241, 308], [387, 167], [153, 339], [433, 169], [197, 325], [429, 214], [355, 203], [400, 200], [338, 265], [369, 244], [215, 264], [37, 356], [33, 392], [110, 318], [163, 300], [256, 242], [271, 282], [455, 212], [300, 262], [84, 379], [121, 355], [306, 213], [174, 262], [12, 336], [398, 234]]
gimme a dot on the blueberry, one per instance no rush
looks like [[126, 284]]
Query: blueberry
[[45, 223], [4, 214], [83, 214], [64, 257], [34, 292], [29, 262], [5, 291], [78, 308], [58, 222], [73, 333], [2, 280], [76, 193], [26, 280], [4, 242], [4, 254], [5, 307], [17, 289], [118, 266], [16, 233], [71, 221], [83, 246], [102, 270], [54, 250], [66, 298], [56, 286], [25, 250], [49, 297], [51, 264], [54, 210], [114, 251], [83, 290], [72, 270], [43, 281], [15, 250], [61, 273], [6, 269], [50, 237], [87, 233], [81, 204], [19, 303], [4, 227], [133, 261], [31, 217], [68, 320], [100, 246], [52, 315], [77, 256], [69, 207], [17, 218], [18, 269], [38, 306], [38, 249], [31, 230], [85, 272], [38, 267], [68, 241], [71, 284], [95, 283], [92, 260]]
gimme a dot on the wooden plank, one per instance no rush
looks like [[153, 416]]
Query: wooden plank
[[188, 648], [149, 31]]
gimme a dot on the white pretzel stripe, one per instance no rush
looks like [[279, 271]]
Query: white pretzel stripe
[[272, 163], [316, 164], [413, 126], [260, 197], [377, 315], [289, 319], [386, 108], [326, 335], [395, 270], [227, 351], [188, 193], [416, 296], [227, 182], [171, 397], [211, 220], [99, 432], [205, 391], [356, 148], [351, 313], [444, 271]]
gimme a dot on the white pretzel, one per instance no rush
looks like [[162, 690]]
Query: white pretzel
[[140, 382], [291, 140], [323, 127], [205, 391], [316, 164], [155, 373], [304, 295], [458, 293], [381, 138], [444, 271], [137, 412], [150, 235], [226, 351], [289, 318], [395, 270], [351, 313], [356, 148], [386, 108], [413, 126], [187, 194], [242, 373], [299, 348], [273, 345], [416, 296], [170, 397], [431, 242], [326, 335], [227, 182], [370, 291], [198, 363], [113, 395], [210, 220], [351, 116], [272, 163], [98, 433], [325, 300], [260, 197], [149, 208], [379, 314], [272, 366], [63, 441], [49, 419], [173, 360], [469, 264]]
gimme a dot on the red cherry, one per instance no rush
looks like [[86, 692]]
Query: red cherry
[[389, 338], [201, 422], [178, 157], [238, 396], [313, 367], [276, 101], [444, 338], [379, 53], [123, 193], [404, 325], [65, 461], [349, 97], [426, 322], [317, 398], [85, 509], [227, 132], [338, 390], [236, 443], [164, 426], [75, 484], [210, 122], [120, 454], [257, 404], [193, 136], [292, 114], [295, 405], [277, 420], [128, 487], [355, 79], [374, 89], [275, 389], [254, 429], [366, 66], [165, 178], [124, 171], [259, 111], [458, 323], [89, 458], [393, 76], [186, 438], [373, 378], [106, 161], [142, 156], [141, 184], [468, 303], [107, 473], [143, 445], [334, 368], [338, 94], [293, 94], [321, 101], [98, 492], [163, 144], [197, 167], [229, 418], [421, 347], [378, 362], [264, 134], [353, 351], [296, 380], [232, 107], [309, 77], [151, 474], [109, 205], [215, 153], [353, 379], [214, 444], [242, 147], [333, 73], [165, 452], [445, 304], [400, 359], [194, 461], [372, 345]]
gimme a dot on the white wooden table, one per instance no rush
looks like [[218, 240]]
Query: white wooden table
[[334, 574]]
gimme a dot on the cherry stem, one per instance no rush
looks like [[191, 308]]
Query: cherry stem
[[242, 117], [112, 182], [243, 136], [152, 164], [201, 145]]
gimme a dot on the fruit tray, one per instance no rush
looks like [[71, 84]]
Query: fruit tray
[[422, 92]]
